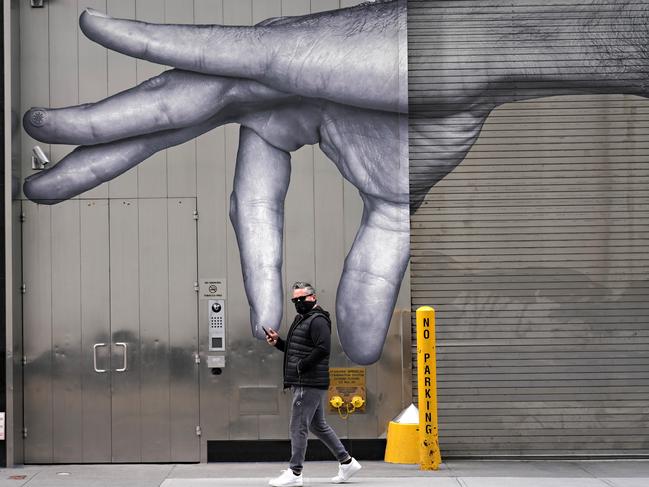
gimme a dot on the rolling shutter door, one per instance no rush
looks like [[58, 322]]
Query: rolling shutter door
[[534, 253]]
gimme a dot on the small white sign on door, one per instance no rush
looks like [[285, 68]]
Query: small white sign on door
[[212, 288], [2, 426]]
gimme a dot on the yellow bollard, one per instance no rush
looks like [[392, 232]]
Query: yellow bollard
[[429, 454]]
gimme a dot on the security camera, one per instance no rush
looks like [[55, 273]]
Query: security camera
[[39, 159]]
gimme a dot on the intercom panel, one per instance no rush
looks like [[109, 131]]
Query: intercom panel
[[216, 315]]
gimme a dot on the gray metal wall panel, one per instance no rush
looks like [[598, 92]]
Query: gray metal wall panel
[[125, 327], [183, 331], [95, 328], [154, 373], [408, 387], [534, 253], [295, 7], [67, 404], [37, 336], [16, 408], [70, 420], [266, 9], [349, 3]]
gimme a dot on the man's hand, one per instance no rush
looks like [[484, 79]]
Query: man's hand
[[272, 337]]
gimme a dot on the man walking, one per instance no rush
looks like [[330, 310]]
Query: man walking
[[306, 371]]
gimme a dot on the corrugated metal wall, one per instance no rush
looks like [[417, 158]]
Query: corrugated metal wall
[[534, 253]]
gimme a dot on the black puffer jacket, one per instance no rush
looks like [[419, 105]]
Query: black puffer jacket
[[306, 350]]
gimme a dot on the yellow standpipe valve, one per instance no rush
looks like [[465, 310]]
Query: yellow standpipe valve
[[357, 402], [346, 408], [336, 402]]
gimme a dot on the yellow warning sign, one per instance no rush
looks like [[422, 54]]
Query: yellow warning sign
[[347, 382]]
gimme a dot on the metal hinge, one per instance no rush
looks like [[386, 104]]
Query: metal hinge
[[23, 288], [24, 432], [22, 218], [198, 431], [195, 214], [196, 286], [197, 358], [24, 360]]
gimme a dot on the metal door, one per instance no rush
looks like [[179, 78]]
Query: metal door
[[110, 331]]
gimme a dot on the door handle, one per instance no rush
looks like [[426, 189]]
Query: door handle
[[94, 357], [125, 366]]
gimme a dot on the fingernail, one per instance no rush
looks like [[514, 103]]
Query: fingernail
[[96, 13]]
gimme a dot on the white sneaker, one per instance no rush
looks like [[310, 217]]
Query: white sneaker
[[345, 472], [287, 478]]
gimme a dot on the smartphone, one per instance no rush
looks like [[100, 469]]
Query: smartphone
[[265, 331]]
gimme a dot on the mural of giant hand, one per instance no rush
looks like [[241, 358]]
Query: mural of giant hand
[[282, 109], [339, 79]]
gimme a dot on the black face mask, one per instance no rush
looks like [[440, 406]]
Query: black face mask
[[303, 306]]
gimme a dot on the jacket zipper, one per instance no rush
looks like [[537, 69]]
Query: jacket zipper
[[288, 343]]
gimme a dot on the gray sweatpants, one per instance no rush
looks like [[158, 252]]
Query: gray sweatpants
[[307, 414]]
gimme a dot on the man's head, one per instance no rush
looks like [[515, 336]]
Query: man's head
[[303, 289], [304, 297]]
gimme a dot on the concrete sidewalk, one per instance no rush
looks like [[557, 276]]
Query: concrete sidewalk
[[465, 473]]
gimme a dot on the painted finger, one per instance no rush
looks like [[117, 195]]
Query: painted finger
[[257, 213], [88, 166], [371, 279], [355, 56], [172, 100]]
